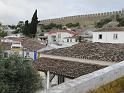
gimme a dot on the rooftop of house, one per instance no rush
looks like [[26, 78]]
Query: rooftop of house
[[92, 51], [68, 31], [27, 43], [110, 29], [31, 44], [68, 69], [6, 45]]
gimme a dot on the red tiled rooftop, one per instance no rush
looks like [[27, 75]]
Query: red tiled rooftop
[[65, 68], [92, 51], [55, 31]]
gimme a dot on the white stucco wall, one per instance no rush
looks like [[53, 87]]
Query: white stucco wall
[[59, 40], [31, 54], [107, 37], [90, 81], [72, 41]]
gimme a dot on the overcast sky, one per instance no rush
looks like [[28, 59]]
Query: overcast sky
[[12, 11]]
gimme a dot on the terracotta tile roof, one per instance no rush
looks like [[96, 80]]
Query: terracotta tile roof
[[14, 39], [109, 29], [27, 43], [55, 31], [6, 45], [31, 44], [65, 68], [92, 51]]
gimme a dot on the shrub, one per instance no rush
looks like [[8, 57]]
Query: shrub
[[18, 75]]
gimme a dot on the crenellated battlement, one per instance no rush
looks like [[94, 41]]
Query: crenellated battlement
[[84, 20]]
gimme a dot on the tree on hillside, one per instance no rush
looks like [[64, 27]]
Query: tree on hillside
[[102, 22], [26, 29], [73, 25], [1, 49], [20, 26], [33, 25], [12, 26], [120, 20], [59, 26], [69, 25], [3, 34], [18, 75]]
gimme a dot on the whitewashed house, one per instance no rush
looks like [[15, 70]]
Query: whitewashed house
[[24, 47], [109, 35], [61, 38], [14, 36]]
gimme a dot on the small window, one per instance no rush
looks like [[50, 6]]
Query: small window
[[70, 40], [27, 54], [115, 36], [59, 35], [5, 54], [100, 36], [76, 40], [67, 40]]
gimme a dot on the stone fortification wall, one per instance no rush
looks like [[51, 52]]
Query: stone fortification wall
[[84, 20]]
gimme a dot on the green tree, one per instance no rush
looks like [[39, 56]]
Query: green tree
[[1, 49], [102, 22], [26, 29], [3, 34], [69, 25], [33, 25], [12, 26], [59, 26], [20, 26], [18, 75], [120, 20], [73, 25]]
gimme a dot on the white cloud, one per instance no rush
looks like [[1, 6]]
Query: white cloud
[[11, 11]]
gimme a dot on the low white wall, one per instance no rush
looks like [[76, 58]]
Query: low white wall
[[90, 81]]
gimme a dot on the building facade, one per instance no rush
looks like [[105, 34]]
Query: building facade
[[109, 35], [61, 38]]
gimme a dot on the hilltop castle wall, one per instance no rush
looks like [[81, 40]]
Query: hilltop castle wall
[[84, 20]]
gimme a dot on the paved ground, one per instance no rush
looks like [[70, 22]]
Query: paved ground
[[79, 60]]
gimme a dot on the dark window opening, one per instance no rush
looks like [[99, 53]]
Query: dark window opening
[[100, 36]]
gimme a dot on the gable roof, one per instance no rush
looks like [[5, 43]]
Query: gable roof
[[27, 43], [55, 31], [68, 69], [92, 51], [31, 44], [6, 45]]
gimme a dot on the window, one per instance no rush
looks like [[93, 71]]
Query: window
[[100, 36], [59, 35], [67, 40], [27, 54], [5, 54], [76, 40], [70, 40], [115, 36]]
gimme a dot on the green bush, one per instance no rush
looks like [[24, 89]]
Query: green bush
[[18, 75], [3, 34]]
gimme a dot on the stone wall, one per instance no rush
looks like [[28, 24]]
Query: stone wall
[[115, 86], [92, 81], [84, 20]]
